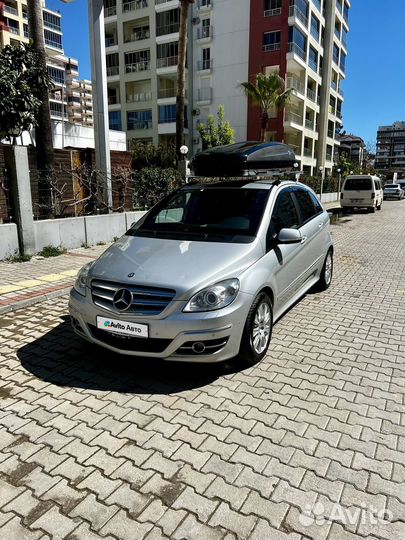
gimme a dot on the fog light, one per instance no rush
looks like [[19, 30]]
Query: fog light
[[198, 347]]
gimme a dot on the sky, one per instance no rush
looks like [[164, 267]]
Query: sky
[[375, 67]]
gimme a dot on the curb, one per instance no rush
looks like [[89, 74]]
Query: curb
[[34, 300]]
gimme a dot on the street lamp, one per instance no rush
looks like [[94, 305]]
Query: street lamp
[[182, 163], [321, 175], [339, 171]]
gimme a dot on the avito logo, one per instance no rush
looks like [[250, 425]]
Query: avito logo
[[107, 324]]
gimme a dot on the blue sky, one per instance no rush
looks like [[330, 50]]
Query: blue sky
[[375, 68]]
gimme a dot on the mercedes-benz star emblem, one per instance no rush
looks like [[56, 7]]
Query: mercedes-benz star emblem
[[122, 299]]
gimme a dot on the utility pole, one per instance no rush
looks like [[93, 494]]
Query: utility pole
[[99, 80]]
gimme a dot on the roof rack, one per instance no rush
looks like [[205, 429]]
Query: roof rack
[[273, 177]]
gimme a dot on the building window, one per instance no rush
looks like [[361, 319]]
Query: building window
[[344, 37], [346, 12], [298, 42], [271, 41], [272, 7], [315, 27], [137, 61], [342, 61], [206, 62], [167, 22], [167, 114], [114, 118], [313, 59], [317, 4], [51, 21], [52, 39], [57, 75], [167, 54], [336, 54], [139, 119]]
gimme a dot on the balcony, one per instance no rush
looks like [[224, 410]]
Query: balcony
[[203, 65], [308, 152], [166, 93], [296, 84], [295, 11], [293, 117], [134, 5], [139, 97], [204, 32], [313, 65], [112, 70], [333, 85], [110, 11], [113, 100], [11, 10], [204, 95], [270, 47], [159, 2], [143, 124], [169, 61], [139, 35], [166, 29], [295, 49], [309, 124], [272, 12], [331, 133], [204, 4], [13, 30], [137, 67], [110, 41], [312, 95]]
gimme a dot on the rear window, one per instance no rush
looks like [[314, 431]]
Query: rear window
[[358, 184], [391, 186]]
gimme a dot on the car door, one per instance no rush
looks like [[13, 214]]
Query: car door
[[286, 261], [314, 230]]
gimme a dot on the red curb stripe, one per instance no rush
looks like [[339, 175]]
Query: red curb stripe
[[34, 294]]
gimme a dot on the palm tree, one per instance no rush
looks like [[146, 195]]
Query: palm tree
[[43, 130], [181, 68], [267, 92]]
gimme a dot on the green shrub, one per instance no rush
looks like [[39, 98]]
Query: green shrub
[[52, 251], [19, 258]]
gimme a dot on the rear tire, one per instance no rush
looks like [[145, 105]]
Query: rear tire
[[257, 332], [371, 210], [325, 279], [379, 206]]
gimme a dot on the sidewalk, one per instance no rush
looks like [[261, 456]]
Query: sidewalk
[[25, 283]]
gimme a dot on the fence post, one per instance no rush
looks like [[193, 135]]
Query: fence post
[[16, 158]]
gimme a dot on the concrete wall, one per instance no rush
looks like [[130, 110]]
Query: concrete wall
[[329, 197], [8, 240], [69, 233]]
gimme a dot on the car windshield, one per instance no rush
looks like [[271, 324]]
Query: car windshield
[[358, 184], [391, 186], [206, 214]]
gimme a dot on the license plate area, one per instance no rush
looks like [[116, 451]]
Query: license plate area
[[122, 328]]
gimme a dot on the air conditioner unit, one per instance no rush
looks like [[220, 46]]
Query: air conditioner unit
[[196, 140], [196, 112], [196, 20]]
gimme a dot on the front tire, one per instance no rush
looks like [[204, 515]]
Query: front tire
[[325, 279], [257, 331]]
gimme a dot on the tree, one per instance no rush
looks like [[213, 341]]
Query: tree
[[22, 78], [267, 92], [181, 69], [216, 135], [43, 131]]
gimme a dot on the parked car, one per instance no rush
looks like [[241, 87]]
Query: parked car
[[393, 191], [402, 185], [362, 191], [203, 276]]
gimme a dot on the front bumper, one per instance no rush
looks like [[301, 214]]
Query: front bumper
[[168, 332]]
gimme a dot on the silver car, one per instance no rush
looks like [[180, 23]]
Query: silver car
[[203, 276]]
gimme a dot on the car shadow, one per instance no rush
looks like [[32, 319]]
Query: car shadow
[[62, 358]]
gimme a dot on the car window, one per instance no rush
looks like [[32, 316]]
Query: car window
[[307, 207], [317, 204], [284, 216], [358, 184]]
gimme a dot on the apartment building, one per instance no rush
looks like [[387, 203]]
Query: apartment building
[[229, 42], [353, 148], [306, 42], [62, 69], [390, 153], [142, 57]]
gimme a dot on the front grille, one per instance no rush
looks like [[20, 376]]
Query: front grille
[[211, 346], [128, 343], [145, 300]]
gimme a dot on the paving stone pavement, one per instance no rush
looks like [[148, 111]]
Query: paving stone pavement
[[307, 444]]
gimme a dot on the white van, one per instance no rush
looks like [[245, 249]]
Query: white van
[[362, 191]]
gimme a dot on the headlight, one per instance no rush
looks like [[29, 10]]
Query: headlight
[[81, 280], [217, 296]]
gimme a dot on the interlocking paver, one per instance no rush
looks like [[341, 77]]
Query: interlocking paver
[[93, 445]]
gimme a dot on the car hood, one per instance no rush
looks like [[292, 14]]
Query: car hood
[[186, 266]]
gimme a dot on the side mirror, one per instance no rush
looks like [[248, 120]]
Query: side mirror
[[289, 236]]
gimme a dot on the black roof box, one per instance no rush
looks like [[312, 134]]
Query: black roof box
[[244, 158]]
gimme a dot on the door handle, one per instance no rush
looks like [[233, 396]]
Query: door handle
[[303, 239], [320, 225]]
